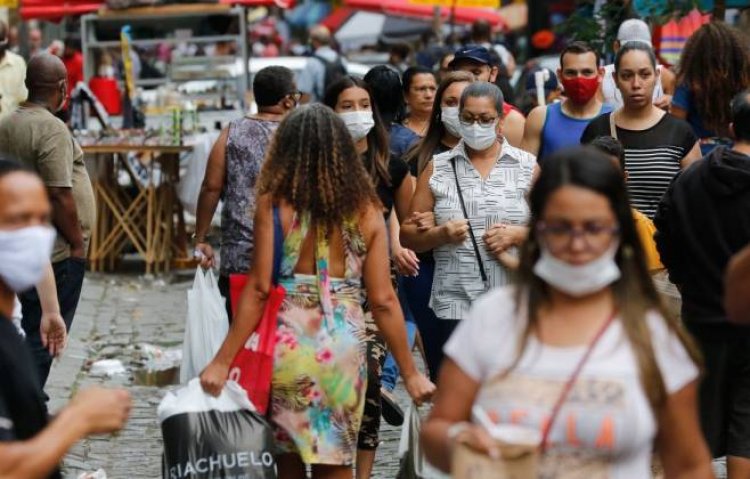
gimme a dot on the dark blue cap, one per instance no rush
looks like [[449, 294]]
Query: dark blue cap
[[473, 53]]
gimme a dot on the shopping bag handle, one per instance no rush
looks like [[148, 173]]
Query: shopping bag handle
[[278, 245]]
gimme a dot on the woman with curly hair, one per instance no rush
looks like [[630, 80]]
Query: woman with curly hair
[[335, 241], [713, 68], [352, 99]]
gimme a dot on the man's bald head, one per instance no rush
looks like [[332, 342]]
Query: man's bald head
[[45, 79], [320, 35]]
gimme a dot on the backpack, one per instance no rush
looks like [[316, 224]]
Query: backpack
[[334, 71]]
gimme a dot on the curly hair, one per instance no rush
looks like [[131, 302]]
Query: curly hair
[[312, 165], [714, 78]]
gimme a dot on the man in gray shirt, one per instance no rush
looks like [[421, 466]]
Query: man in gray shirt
[[312, 79]]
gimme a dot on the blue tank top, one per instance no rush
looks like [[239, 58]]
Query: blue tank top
[[560, 130]]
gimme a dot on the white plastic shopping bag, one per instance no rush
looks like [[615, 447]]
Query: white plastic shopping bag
[[206, 325], [413, 465], [207, 437]]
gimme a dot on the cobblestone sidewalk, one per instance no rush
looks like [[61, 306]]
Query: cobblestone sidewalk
[[118, 314]]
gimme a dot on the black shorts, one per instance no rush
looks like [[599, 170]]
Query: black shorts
[[725, 389]]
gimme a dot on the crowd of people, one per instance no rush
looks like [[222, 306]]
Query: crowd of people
[[527, 256]]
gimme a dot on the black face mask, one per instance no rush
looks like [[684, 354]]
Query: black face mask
[[3, 46]]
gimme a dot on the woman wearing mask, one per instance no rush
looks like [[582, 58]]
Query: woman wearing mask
[[581, 353], [352, 99], [335, 239], [477, 192], [706, 83], [419, 92], [657, 145], [442, 135]]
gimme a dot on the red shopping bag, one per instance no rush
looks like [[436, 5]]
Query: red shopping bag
[[252, 367]]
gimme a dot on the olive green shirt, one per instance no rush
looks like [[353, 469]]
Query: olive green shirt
[[38, 139]]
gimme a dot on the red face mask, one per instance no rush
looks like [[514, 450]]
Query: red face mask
[[579, 89]]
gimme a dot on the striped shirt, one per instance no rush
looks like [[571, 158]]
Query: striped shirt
[[652, 156], [498, 198]]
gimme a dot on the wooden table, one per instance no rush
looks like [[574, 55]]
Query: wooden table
[[144, 214]]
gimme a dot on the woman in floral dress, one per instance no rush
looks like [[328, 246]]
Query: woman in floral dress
[[335, 238]]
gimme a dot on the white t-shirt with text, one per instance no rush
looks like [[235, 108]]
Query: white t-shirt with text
[[606, 427]]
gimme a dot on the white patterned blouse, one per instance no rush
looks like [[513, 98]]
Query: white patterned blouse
[[501, 197]]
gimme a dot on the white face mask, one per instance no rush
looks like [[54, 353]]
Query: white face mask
[[578, 280], [24, 254], [479, 137], [449, 117], [359, 123]]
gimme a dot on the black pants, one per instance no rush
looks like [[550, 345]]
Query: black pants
[[69, 279], [725, 389]]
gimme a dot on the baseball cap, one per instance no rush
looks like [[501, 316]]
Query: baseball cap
[[474, 53], [634, 30], [549, 85]]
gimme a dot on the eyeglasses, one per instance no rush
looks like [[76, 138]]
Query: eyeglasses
[[560, 236], [296, 96], [483, 121]]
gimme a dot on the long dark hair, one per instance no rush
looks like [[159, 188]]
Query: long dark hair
[[378, 153], [312, 165], [635, 294], [715, 66], [385, 83], [423, 151]]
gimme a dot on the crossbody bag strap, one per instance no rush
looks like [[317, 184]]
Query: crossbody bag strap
[[568, 387], [482, 272]]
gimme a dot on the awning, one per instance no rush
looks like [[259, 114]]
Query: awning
[[53, 9], [464, 15], [260, 3]]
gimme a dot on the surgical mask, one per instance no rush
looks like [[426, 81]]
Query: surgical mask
[[578, 280], [449, 117], [479, 137], [107, 71], [24, 254], [359, 123]]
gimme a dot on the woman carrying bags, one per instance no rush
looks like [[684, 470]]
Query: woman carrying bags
[[334, 240]]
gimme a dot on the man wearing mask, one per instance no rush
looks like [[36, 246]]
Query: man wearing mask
[[34, 136], [702, 222], [476, 60], [12, 73], [31, 444], [553, 127], [233, 168]]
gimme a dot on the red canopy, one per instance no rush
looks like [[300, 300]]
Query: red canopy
[[403, 8], [53, 9], [260, 3]]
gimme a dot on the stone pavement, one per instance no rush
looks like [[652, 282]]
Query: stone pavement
[[118, 314]]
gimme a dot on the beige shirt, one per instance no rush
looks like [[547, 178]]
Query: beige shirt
[[12, 88], [38, 139]]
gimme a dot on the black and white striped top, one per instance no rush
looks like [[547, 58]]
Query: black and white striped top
[[652, 156]]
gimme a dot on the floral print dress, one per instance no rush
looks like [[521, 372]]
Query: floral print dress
[[320, 373]]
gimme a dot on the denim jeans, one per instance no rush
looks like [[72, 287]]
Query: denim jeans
[[390, 373], [434, 331], [69, 278]]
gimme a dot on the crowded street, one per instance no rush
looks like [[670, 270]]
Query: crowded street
[[356, 239]]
